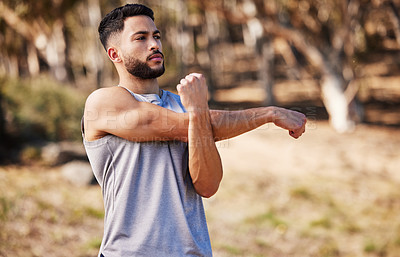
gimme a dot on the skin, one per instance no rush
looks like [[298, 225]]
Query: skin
[[114, 111]]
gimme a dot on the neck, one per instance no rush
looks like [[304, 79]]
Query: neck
[[140, 86]]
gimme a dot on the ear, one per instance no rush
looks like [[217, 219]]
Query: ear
[[113, 54]]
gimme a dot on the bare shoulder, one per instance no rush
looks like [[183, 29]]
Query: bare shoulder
[[102, 106], [110, 97]]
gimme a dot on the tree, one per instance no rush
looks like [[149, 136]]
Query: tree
[[322, 40]]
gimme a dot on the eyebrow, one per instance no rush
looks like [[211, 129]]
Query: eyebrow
[[145, 32]]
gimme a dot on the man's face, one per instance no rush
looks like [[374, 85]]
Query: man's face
[[141, 48]]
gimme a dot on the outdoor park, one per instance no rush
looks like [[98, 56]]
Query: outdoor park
[[335, 191]]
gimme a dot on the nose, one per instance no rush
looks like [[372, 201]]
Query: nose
[[154, 44]]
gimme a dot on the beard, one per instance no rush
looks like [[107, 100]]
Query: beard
[[141, 69]]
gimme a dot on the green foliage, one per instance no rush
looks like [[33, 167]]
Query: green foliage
[[30, 154], [270, 217], [41, 109], [370, 247], [94, 243], [329, 249], [378, 248], [232, 250], [301, 193], [5, 206], [324, 222], [95, 213]]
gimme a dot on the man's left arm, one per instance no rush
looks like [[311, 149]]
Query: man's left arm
[[204, 161]]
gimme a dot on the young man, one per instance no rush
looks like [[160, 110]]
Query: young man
[[153, 152]]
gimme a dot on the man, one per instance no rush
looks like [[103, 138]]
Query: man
[[153, 152]]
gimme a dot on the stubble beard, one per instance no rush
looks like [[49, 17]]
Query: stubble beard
[[142, 70]]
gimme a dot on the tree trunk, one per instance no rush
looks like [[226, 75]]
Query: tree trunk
[[213, 33], [182, 44], [13, 67], [2, 123], [55, 52], [336, 103], [265, 73], [94, 54], [33, 60], [332, 84], [395, 19]]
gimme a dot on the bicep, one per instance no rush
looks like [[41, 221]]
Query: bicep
[[144, 122], [136, 121]]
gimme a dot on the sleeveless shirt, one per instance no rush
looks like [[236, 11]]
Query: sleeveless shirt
[[151, 206]]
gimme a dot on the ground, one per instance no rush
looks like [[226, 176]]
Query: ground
[[324, 194]]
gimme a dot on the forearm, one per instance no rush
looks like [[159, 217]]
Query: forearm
[[228, 124], [204, 161]]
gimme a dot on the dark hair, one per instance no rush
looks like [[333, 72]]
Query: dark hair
[[114, 21]]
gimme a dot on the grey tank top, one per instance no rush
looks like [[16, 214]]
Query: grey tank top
[[151, 207]]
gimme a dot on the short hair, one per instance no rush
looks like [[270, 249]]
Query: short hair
[[113, 22]]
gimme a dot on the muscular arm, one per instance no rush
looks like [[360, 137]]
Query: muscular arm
[[114, 111], [228, 124], [204, 161]]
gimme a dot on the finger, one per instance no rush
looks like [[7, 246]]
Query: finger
[[295, 133], [292, 134], [184, 82], [179, 88], [197, 75], [191, 78]]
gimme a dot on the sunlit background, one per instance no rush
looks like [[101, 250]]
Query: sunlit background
[[333, 192]]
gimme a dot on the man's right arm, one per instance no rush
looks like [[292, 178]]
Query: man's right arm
[[115, 111]]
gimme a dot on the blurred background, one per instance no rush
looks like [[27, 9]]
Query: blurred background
[[333, 192]]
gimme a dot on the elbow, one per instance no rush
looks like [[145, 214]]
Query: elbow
[[207, 184], [206, 191]]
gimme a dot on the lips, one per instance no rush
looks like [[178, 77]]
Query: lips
[[157, 57]]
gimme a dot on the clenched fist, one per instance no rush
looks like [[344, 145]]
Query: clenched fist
[[193, 92], [294, 122]]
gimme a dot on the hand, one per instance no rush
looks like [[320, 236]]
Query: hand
[[193, 92], [290, 120]]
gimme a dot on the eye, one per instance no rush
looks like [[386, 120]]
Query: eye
[[157, 36], [141, 38]]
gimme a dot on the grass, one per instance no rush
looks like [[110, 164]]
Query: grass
[[329, 249], [93, 243], [324, 222], [232, 250], [318, 210], [5, 206], [94, 212], [302, 193], [40, 213], [331, 223], [267, 217], [378, 249], [370, 247], [43, 207]]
